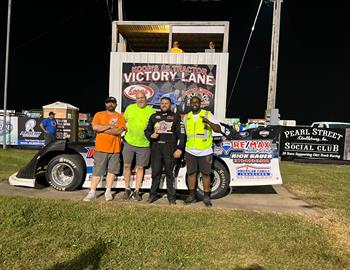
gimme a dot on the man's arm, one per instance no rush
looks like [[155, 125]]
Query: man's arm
[[214, 127], [180, 137], [149, 131], [115, 131], [180, 134], [101, 128], [42, 127]]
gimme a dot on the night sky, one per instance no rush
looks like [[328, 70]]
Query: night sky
[[59, 50]]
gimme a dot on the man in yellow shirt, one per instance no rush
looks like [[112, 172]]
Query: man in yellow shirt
[[176, 47]]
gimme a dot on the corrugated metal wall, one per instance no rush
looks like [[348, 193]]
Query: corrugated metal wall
[[218, 59]]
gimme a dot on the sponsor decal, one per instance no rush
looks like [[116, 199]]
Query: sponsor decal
[[244, 134], [226, 146], [90, 153], [264, 133], [251, 145], [130, 91], [248, 171]]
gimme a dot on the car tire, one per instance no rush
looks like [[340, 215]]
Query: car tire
[[66, 172], [220, 182]]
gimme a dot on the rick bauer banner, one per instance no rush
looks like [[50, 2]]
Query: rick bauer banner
[[179, 82], [312, 143]]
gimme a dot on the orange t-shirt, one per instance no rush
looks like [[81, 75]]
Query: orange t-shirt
[[108, 143]]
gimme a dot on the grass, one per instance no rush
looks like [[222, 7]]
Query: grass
[[323, 185], [12, 160], [49, 234]]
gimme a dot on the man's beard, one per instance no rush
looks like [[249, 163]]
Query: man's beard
[[110, 108], [164, 110]]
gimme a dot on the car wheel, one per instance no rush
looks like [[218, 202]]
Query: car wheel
[[66, 172], [220, 182]]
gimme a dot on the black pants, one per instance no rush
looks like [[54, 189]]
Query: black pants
[[162, 155]]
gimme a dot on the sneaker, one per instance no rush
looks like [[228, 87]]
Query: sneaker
[[190, 199], [127, 194], [136, 195], [90, 197], [152, 198], [207, 202], [108, 196]]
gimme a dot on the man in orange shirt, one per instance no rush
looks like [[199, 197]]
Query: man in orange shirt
[[108, 126]]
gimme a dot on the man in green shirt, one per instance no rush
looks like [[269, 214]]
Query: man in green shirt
[[135, 142]]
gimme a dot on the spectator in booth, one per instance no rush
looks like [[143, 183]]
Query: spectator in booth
[[49, 126], [211, 45], [176, 47]]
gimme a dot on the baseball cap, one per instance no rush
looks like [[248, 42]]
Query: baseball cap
[[111, 99], [51, 113]]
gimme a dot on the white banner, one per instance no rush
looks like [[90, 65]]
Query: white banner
[[11, 129]]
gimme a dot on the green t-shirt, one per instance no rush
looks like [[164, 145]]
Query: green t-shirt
[[136, 119]]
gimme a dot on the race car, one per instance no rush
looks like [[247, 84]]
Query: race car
[[239, 160]]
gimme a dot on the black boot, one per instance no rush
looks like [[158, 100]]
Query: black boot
[[206, 199], [191, 198], [152, 198]]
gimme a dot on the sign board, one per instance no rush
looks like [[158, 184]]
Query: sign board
[[312, 143], [179, 82], [29, 131], [10, 128]]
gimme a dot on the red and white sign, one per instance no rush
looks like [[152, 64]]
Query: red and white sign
[[131, 91]]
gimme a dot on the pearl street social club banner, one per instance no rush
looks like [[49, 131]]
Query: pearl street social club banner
[[179, 82], [314, 143]]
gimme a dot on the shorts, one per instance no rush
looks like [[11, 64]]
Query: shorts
[[142, 154], [201, 164], [106, 162]]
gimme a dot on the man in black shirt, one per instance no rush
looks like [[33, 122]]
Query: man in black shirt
[[167, 136]]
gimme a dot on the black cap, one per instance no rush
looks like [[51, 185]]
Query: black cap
[[111, 99], [51, 113], [166, 97]]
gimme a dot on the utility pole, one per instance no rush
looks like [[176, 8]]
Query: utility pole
[[271, 98], [4, 127], [120, 10]]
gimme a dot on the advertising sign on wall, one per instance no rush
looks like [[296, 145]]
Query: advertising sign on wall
[[179, 82], [10, 128], [312, 143], [64, 128], [29, 132]]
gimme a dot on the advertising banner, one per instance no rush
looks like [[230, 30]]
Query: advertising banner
[[255, 162], [312, 143], [64, 128], [179, 82], [10, 128], [29, 132]]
